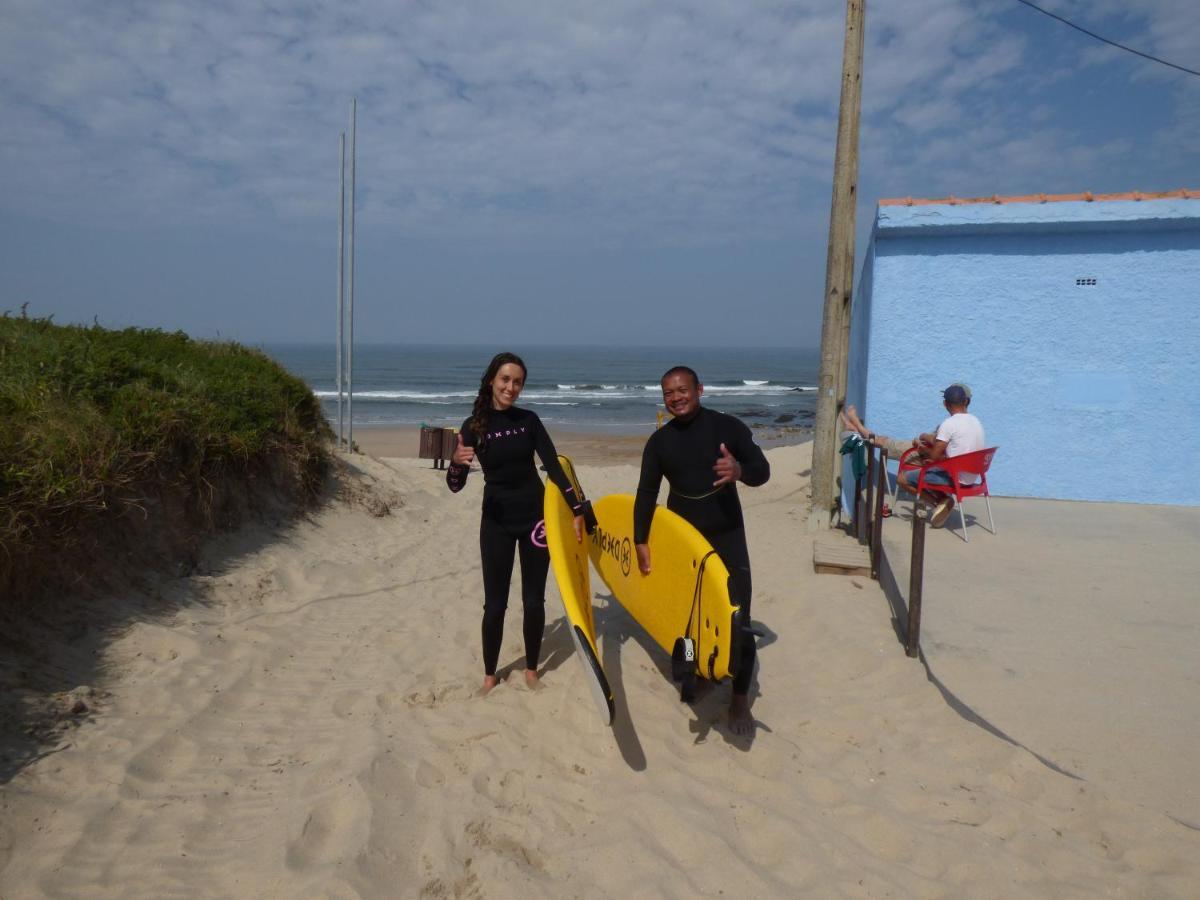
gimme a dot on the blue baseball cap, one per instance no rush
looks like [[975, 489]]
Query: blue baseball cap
[[957, 394]]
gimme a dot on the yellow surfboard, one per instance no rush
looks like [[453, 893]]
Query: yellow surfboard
[[687, 591], [569, 559]]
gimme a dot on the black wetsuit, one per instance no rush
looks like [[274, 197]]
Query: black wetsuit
[[512, 517], [685, 453]]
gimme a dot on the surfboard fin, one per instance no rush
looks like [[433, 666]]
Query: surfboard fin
[[683, 658], [683, 668]]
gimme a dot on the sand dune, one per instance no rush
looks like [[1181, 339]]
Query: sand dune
[[307, 724]]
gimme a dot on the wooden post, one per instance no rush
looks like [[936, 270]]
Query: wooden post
[[916, 574], [866, 532], [877, 514], [846, 256], [839, 274], [860, 512]]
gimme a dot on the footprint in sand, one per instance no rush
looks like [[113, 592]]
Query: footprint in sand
[[165, 759], [466, 888], [437, 694], [350, 704], [428, 775], [481, 834], [332, 831], [390, 701], [507, 791]]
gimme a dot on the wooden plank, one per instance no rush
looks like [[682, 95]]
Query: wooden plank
[[837, 555], [852, 555]]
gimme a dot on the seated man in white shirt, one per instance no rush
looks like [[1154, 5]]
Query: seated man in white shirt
[[960, 433]]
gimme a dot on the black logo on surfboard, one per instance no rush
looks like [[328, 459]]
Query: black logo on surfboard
[[619, 548]]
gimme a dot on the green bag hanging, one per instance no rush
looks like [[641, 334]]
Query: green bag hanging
[[856, 448]]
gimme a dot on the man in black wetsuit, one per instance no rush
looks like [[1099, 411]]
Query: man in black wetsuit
[[703, 454]]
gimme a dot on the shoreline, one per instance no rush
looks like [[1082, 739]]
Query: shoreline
[[585, 447]]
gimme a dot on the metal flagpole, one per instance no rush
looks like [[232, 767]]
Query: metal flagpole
[[341, 306], [350, 311]]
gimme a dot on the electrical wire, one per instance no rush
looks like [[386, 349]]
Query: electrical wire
[[1105, 40]]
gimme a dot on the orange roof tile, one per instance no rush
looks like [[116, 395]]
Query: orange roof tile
[[1182, 193]]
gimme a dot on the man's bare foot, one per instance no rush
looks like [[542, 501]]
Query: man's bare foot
[[489, 682], [531, 678], [740, 720]]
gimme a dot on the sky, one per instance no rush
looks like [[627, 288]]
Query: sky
[[536, 172]]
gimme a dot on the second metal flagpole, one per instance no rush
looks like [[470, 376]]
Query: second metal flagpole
[[341, 306], [350, 310]]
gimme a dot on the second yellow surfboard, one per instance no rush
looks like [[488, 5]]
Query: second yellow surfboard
[[569, 559], [686, 593]]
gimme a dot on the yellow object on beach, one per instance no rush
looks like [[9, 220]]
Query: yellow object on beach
[[569, 559], [688, 582]]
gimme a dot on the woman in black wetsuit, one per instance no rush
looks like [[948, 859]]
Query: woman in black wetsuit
[[504, 439]]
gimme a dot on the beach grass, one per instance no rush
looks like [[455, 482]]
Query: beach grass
[[97, 423]]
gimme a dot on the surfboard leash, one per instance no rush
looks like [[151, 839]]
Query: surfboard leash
[[581, 506], [683, 658]]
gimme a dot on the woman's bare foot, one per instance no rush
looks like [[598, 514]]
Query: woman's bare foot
[[489, 682], [531, 678], [740, 720]]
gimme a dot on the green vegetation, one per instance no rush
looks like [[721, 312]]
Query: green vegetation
[[95, 423]]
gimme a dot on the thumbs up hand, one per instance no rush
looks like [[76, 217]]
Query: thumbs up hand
[[727, 468], [463, 455]]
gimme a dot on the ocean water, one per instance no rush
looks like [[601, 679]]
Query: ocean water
[[613, 389]]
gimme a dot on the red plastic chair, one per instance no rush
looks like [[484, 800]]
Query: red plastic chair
[[907, 464], [976, 463]]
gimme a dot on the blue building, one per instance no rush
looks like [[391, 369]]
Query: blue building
[[1075, 320]]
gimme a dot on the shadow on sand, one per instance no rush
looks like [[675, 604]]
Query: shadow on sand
[[899, 609], [52, 652], [615, 628]]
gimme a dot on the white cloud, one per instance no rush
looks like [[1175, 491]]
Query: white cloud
[[669, 120]]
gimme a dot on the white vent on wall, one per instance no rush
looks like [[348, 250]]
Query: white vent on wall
[[1085, 282]]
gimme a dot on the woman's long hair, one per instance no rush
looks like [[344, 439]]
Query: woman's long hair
[[482, 410]]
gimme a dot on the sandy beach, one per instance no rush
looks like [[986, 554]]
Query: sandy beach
[[301, 719]]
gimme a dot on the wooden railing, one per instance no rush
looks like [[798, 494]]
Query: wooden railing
[[868, 508]]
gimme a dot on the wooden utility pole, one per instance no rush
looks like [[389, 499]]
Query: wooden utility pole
[[839, 275]]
